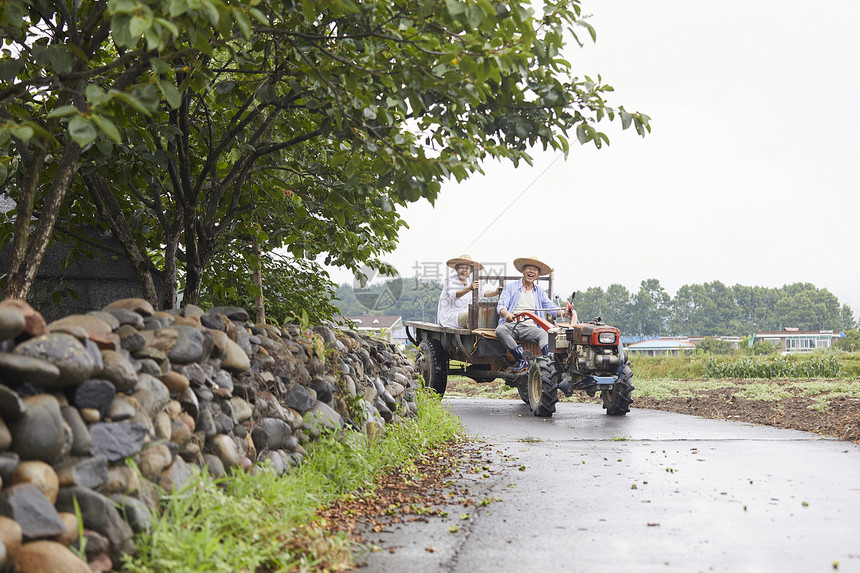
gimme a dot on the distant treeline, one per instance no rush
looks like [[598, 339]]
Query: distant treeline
[[709, 309]]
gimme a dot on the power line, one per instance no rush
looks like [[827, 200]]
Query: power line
[[511, 204]]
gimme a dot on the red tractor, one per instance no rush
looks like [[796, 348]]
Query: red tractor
[[586, 357]]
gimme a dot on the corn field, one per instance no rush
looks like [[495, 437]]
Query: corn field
[[779, 367]]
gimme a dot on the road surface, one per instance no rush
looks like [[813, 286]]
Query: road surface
[[650, 491]]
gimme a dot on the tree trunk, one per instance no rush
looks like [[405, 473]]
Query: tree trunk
[[259, 302], [172, 235], [112, 214], [23, 275]]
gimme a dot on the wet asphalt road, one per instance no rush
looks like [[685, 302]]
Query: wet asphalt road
[[650, 491]]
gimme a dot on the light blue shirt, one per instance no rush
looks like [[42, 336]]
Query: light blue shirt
[[511, 296]]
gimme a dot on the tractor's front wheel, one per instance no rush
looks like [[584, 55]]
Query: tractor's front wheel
[[542, 383], [523, 389], [617, 401], [432, 364]]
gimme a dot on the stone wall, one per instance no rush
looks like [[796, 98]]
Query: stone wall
[[176, 392]]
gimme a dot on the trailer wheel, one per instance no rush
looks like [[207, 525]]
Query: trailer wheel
[[543, 386], [617, 401], [432, 364]]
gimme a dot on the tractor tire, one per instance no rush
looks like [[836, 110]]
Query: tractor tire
[[542, 386], [523, 389], [617, 401], [432, 364]]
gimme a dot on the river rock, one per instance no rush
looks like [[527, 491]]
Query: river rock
[[91, 472], [130, 339], [231, 312], [118, 369], [11, 536], [117, 440], [153, 460], [11, 405], [40, 475], [33, 511], [227, 451], [70, 522], [80, 433], [48, 557], [151, 393], [271, 434], [321, 417], [176, 476], [99, 514], [324, 387], [122, 408], [17, 368], [96, 394], [161, 339], [12, 322], [242, 410], [34, 324], [65, 352], [299, 398], [175, 382], [134, 512], [188, 347], [5, 436], [39, 434], [233, 358], [93, 327], [138, 305]]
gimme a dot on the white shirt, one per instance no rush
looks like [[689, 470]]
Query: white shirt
[[526, 302], [449, 305]]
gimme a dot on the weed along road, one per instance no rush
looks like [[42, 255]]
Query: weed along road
[[650, 491]]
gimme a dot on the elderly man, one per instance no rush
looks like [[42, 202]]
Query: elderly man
[[517, 297], [453, 309]]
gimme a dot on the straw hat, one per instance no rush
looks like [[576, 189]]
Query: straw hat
[[543, 268], [464, 260]]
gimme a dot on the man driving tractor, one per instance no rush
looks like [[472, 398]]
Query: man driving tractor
[[525, 295]]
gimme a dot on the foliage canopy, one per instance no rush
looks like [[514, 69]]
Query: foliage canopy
[[192, 128]]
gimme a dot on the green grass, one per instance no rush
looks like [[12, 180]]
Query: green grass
[[265, 522], [829, 364]]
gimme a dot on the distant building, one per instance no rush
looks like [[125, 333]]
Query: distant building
[[735, 341], [795, 340], [660, 347], [388, 327]]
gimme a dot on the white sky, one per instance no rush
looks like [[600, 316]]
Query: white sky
[[750, 175]]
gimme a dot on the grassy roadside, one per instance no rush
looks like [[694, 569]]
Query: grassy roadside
[[263, 522]]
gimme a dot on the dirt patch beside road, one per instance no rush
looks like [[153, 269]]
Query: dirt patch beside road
[[820, 406]]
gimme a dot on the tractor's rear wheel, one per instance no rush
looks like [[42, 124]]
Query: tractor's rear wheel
[[542, 384], [617, 401], [432, 364]]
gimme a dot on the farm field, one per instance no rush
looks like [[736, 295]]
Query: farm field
[[830, 407]]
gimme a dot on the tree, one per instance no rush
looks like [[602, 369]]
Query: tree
[[651, 308], [850, 343], [178, 119], [847, 321], [710, 345]]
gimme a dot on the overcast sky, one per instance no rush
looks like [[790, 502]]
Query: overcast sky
[[750, 175]]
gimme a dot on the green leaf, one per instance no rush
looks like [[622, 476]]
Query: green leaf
[[82, 130], [63, 111], [137, 26], [171, 94], [107, 127], [132, 101], [9, 69], [22, 132], [243, 22]]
